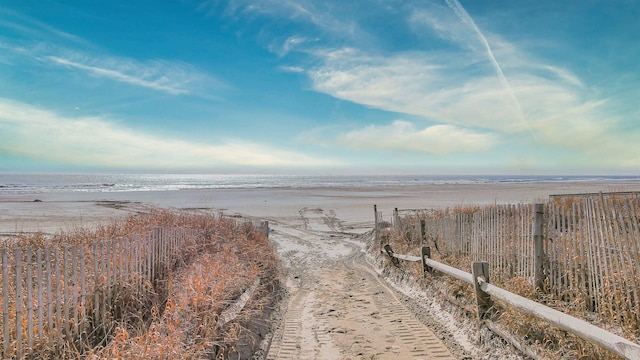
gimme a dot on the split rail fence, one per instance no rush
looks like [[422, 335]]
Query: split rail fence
[[588, 248], [485, 291], [579, 249]]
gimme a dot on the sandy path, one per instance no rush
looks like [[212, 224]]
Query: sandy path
[[337, 307]]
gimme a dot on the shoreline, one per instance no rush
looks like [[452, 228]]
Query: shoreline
[[51, 212]]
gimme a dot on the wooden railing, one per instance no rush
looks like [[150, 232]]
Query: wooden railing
[[486, 292], [582, 249]]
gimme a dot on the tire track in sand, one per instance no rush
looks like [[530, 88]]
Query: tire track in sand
[[337, 307]]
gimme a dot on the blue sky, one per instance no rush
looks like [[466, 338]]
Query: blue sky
[[282, 86]]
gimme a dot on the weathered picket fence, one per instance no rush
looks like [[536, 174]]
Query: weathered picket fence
[[586, 248], [54, 295]]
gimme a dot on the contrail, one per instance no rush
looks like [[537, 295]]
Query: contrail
[[465, 17]]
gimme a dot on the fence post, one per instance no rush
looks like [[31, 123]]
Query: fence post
[[426, 254], [155, 241], [483, 300], [396, 225], [29, 279], [389, 251], [458, 234], [18, 260], [538, 245], [5, 303], [375, 222], [423, 231], [265, 228]]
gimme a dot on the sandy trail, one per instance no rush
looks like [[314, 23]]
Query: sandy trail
[[337, 308]]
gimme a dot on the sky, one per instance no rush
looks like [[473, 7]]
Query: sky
[[323, 87]]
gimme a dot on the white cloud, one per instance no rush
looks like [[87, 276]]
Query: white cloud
[[403, 135], [305, 11], [450, 88], [171, 77], [174, 78], [441, 22], [418, 84], [288, 45], [95, 141], [293, 69], [32, 27], [321, 15]]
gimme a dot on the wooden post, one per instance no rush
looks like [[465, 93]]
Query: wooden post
[[538, 245], [426, 254], [18, 259], [265, 228], [147, 246], [29, 265], [40, 285], [5, 303], [480, 269], [155, 236], [375, 225], [104, 260], [66, 299], [396, 225], [96, 286], [74, 289], [423, 231], [47, 260], [389, 251], [458, 232], [83, 299], [113, 258]]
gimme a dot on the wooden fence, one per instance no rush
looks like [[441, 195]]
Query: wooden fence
[[60, 295], [588, 250], [484, 291]]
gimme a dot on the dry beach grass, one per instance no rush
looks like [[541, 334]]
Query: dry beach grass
[[176, 316]]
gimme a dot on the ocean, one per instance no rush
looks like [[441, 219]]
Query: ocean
[[58, 183]]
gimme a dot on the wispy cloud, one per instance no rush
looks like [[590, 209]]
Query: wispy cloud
[[322, 16], [465, 85], [172, 78], [33, 28], [426, 85], [466, 18], [288, 45], [472, 82], [293, 69], [49, 45], [434, 20], [307, 11], [99, 142], [403, 135]]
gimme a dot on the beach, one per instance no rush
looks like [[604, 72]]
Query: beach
[[353, 205], [339, 304]]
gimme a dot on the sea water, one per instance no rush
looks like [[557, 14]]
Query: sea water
[[56, 183]]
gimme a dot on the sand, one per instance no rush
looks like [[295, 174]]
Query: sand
[[339, 304], [50, 212]]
